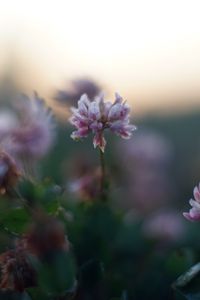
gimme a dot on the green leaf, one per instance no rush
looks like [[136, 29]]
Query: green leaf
[[31, 191], [42, 194], [15, 220], [57, 276]]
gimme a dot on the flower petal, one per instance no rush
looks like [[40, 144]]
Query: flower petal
[[99, 141], [196, 193]]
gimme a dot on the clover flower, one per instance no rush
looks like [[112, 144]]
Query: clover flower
[[35, 133], [194, 212], [98, 115]]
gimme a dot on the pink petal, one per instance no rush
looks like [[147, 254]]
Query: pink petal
[[96, 126], [187, 216], [118, 98], [94, 111], [195, 204], [99, 141], [114, 113], [83, 105], [195, 213], [81, 133], [196, 194], [122, 128], [119, 112]]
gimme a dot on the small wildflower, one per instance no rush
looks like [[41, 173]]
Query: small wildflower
[[87, 187], [194, 212], [98, 115]]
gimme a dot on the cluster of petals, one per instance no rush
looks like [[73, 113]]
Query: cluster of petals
[[194, 212], [98, 115]]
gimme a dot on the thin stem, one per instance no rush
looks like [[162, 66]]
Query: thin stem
[[103, 176]]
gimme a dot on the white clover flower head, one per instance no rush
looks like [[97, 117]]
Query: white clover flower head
[[98, 115], [194, 212]]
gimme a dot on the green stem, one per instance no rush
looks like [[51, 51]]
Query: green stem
[[103, 177]]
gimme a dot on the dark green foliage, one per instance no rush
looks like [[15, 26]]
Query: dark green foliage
[[112, 259], [56, 274]]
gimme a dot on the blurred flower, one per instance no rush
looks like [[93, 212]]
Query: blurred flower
[[45, 235], [30, 132], [147, 160], [97, 115], [16, 271], [8, 121], [79, 87], [149, 191], [87, 187], [165, 225], [148, 149], [194, 212], [9, 172], [35, 134]]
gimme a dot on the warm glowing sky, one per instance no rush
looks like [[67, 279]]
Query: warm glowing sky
[[148, 50]]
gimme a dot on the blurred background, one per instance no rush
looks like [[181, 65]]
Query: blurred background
[[149, 52], [146, 50]]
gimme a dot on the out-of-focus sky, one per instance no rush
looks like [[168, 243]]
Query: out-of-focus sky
[[147, 50]]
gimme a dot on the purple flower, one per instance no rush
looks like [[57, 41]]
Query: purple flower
[[8, 122], [194, 212], [35, 133], [78, 87], [87, 186], [164, 225], [97, 115]]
